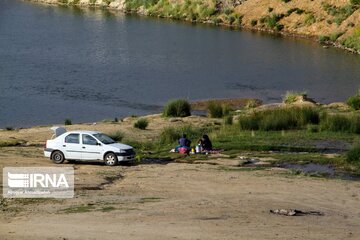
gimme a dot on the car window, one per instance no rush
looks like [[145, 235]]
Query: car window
[[105, 139], [88, 140], [72, 138]]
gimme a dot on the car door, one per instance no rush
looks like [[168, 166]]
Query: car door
[[72, 147], [91, 148]]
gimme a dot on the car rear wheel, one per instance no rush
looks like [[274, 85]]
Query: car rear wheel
[[58, 157], [111, 159]]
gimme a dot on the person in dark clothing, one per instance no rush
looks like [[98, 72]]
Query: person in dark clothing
[[205, 143], [184, 142]]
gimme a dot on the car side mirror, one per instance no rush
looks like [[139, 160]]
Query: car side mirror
[[99, 144]]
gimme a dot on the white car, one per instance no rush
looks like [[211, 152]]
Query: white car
[[86, 146]]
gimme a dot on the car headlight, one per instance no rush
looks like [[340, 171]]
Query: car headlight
[[122, 151]]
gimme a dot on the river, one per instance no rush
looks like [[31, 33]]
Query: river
[[89, 65]]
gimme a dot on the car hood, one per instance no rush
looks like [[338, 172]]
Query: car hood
[[120, 146]]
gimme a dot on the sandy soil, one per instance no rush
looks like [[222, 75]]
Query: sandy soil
[[169, 200]]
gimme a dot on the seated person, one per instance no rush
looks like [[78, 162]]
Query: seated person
[[184, 145], [184, 142], [205, 142]]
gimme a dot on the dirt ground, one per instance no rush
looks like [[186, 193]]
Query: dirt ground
[[170, 200]]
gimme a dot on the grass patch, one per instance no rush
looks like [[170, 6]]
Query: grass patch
[[292, 97], [78, 209], [353, 155], [142, 123], [117, 136], [279, 119], [149, 199], [353, 41], [171, 134], [340, 123], [11, 143], [218, 110], [339, 13], [354, 101], [177, 108], [107, 209]]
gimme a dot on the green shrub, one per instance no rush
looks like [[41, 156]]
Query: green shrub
[[353, 41], [254, 22], [142, 123], [355, 124], [291, 97], [251, 103], [67, 121], [310, 19], [355, 2], [353, 155], [280, 119], [218, 110], [250, 122], [335, 123], [117, 136], [324, 39], [228, 120], [340, 123], [169, 135], [177, 108], [354, 101]]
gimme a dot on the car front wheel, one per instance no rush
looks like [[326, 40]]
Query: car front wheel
[[111, 159], [57, 157]]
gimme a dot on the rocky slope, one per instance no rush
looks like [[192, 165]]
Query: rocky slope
[[334, 22]]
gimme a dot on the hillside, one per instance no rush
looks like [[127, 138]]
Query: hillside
[[329, 21]]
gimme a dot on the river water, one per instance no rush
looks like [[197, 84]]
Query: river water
[[89, 65]]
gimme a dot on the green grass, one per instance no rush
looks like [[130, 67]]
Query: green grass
[[353, 155], [117, 136], [279, 119], [177, 108], [291, 97], [79, 209], [339, 13], [340, 123], [142, 123], [354, 101]]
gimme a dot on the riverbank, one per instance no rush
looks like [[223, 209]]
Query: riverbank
[[331, 23], [167, 195]]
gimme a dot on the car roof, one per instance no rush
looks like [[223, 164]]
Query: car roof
[[84, 132]]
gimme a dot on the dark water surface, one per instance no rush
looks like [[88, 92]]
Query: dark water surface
[[88, 65]]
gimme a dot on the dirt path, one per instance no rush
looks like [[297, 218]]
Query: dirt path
[[182, 201]]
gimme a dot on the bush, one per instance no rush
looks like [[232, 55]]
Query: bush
[[117, 136], [218, 110], [228, 120], [67, 121], [354, 101], [171, 134], [335, 123], [353, 155], [177, 108], [280, 119], [254, 22], [355, 2], [291, 97], [142, 123], [341, 123]]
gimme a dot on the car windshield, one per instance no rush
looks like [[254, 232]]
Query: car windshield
[[105, 139]]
